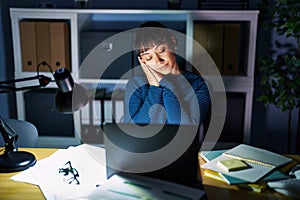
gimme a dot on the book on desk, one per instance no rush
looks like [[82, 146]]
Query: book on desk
[[259, 177]]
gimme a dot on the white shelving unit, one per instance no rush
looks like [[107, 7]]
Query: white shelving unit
[[79, 19]]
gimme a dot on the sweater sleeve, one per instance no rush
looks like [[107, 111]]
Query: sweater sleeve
[[186, 99]]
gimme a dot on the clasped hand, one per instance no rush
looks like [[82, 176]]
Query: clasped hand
[[152, 72]]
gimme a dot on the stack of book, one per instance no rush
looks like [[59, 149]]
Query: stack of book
[[246, 166]]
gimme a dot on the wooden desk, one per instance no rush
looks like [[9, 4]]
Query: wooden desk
[[215, 190], [17, 190]]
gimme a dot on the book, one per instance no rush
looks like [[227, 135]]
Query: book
[[255, 187], [257, 155], [209, 155], [257, 170], [221, 177], [214, 175], [232, 165], [250, 175], [277, 174]]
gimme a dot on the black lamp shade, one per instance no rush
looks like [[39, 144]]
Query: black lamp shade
[[70, 96], [72, 101], [64, 80]]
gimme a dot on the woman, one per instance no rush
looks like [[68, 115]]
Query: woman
[[164, 93]]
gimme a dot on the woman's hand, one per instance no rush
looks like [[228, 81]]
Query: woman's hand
[[153, 76]]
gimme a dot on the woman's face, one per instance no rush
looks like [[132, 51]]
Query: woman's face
[[160, 58]]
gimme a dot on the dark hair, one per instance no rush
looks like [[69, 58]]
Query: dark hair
[[149, 34]]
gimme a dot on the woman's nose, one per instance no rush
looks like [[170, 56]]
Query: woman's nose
[[157, 59]]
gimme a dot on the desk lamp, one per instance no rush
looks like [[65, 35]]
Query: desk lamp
[[13, 160]]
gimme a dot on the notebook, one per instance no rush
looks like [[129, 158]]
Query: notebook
[[232, 165], [257, 155], [209, 155]]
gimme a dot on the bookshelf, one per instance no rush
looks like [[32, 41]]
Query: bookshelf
[[87, 26]]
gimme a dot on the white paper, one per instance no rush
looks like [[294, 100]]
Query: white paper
[[137, 187], [88, 160]]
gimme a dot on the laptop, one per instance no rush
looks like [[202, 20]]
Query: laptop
[[167, 152]]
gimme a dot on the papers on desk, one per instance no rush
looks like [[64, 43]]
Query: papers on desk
[[87, 160], [132, 187], [80, 173]]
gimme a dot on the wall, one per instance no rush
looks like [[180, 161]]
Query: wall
[[7, 108], [269, 125]]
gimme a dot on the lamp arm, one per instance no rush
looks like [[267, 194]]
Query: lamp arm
[[9, 136], [43, 81]]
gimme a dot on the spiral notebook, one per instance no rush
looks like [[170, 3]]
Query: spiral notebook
[[261, 162], [257, 155]]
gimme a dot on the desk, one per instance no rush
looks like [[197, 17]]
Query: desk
[[17, 190], [215, 190]]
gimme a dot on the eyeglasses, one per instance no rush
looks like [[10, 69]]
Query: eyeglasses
[[70, 174]]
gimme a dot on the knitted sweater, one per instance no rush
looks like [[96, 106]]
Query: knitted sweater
[[180, 99]]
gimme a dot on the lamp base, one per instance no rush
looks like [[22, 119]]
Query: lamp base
[[17, 161]]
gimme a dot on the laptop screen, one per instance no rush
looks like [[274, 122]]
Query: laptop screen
[[168, 152]]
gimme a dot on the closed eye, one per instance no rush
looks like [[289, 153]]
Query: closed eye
[[148, 58], [161, 49]]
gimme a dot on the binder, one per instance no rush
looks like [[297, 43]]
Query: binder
[[60, 45], [108, 116], [118, 110], [97, 113], [85, 115], [45, 41], [42, 43], [210, 37], [28, 45], [231, 49]]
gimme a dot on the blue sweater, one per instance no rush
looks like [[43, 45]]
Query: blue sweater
[[175, 101]]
